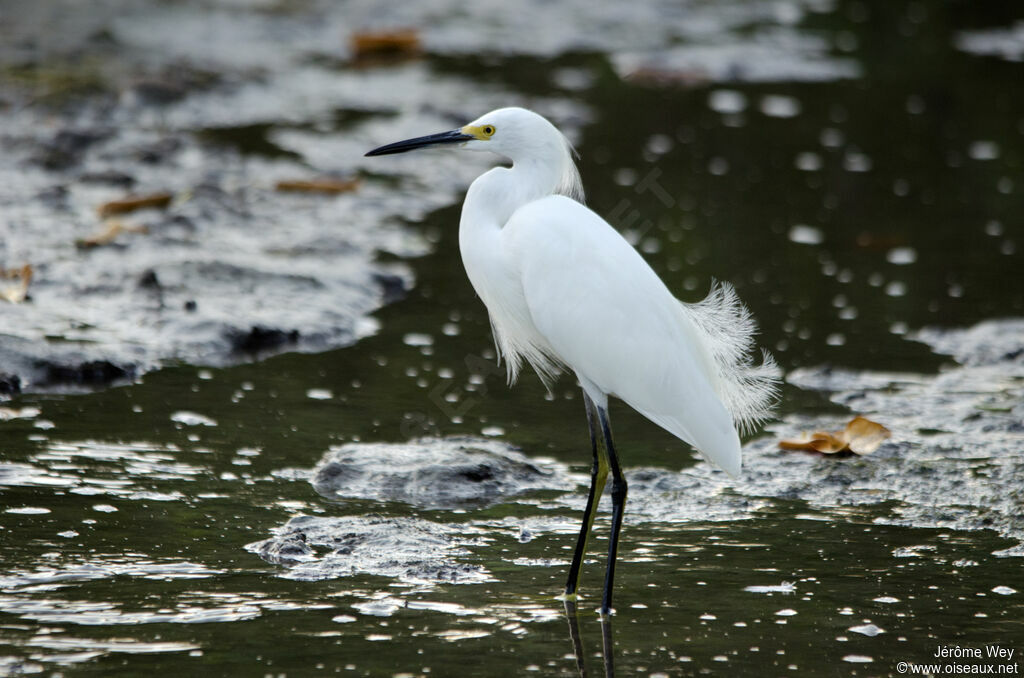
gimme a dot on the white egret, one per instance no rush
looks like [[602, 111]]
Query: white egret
[[565, 290]]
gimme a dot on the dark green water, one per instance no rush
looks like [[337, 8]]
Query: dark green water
[[914, 224]]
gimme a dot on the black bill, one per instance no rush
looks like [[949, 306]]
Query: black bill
[[452, 137]]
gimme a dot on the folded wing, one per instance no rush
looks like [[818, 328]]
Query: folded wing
[[606, 315]]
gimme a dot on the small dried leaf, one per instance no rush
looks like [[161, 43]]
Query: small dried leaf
[[326, 185], [19, 292], [115, 227], [134, 202], [864, 436], [401, 42], [825, 443], [861, 436]]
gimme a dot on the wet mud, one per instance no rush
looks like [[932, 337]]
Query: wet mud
[[406, 549], [446, 473]]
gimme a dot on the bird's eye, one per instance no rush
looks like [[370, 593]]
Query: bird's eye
[[488, 131]]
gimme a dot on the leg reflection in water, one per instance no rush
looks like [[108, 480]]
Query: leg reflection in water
[[577, 642]]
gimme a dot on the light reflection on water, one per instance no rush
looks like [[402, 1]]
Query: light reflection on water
[[718, 567]]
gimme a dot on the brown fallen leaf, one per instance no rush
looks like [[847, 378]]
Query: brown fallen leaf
[[115, 227], [134, 202], [326, 185], [20, 272], [405, 41], [861, 436], [17, 293]]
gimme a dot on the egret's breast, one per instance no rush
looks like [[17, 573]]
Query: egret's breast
[[496, 277]]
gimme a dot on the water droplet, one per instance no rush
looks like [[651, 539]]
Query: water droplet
[[727, 101], [625, 176], [784, 587], [417, 339], [778, 106], [806, 235], [808, 162], [896, 289], [858, 659], [866, 630], [659, 144], [854, 161], [28, 510], [384, 607], [983, 150], [901, 255], [192, 419]]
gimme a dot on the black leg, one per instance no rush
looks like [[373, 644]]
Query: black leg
[[618, 506], [598, 476]]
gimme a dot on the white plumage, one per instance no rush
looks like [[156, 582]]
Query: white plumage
[[565, 290]]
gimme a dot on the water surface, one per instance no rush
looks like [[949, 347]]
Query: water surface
[[853, 169]]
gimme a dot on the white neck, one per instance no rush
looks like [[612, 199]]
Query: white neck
[[498, 193]]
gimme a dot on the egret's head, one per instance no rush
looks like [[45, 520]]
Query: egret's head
[[514, 133], [517, 134], [506, 131]]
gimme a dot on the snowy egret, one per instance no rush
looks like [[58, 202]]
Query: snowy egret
[[565, 290]]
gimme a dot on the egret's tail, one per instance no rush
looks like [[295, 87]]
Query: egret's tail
[[748, 391]]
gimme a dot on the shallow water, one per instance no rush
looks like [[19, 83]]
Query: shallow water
[[858, 180]]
